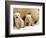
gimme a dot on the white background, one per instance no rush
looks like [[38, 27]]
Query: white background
[[2, 19]]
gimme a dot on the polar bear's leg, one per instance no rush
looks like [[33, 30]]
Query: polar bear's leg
[[22, 24], [32, 23], [26, 22], [29, 24], [17, 26]]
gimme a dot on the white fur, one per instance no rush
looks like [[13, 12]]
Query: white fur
[[29, 20], [18, 21]]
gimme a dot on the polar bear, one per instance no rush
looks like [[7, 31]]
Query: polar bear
[[35, 15], [18, 20], [29, 20]]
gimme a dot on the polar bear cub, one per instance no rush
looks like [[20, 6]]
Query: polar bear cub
[[18, 20], [29, 20]]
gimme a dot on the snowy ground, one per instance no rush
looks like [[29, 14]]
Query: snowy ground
[[28, 29]]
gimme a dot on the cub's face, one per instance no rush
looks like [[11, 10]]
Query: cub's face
[[17, 15]]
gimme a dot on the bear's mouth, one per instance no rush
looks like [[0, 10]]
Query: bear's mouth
[[16, 17]]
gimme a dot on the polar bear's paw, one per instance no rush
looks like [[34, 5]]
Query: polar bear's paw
[[18, 27]]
